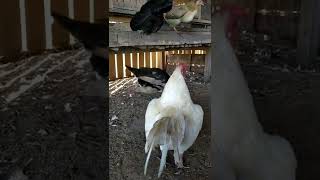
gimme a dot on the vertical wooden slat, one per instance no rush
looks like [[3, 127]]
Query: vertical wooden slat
[[141, 56], [59, 35], [81, 10], [147, 58], [164, 59], [154, 62], [100, 12], [112, 67], [135, 59], [35, 25], [10, 36], [160, 60], [127, 62], [120, 64]]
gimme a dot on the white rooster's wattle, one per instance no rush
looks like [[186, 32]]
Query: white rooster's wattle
[[172, 121], [242, 150]]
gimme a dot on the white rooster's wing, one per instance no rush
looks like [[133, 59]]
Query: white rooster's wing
[[153, 109]]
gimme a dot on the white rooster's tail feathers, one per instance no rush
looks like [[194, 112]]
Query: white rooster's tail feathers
[[166, 132]]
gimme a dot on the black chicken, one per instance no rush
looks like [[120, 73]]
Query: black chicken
[[150, 77], [94, 37], [150, 17]]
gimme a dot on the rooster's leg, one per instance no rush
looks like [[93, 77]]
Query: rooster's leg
[[178, 159]]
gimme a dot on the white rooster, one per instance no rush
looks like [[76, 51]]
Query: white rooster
[[242, 150], [172, 121]]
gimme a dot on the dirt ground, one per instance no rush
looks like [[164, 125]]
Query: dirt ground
[[287, 104], [127, 136], [286, 96], [51, 126]]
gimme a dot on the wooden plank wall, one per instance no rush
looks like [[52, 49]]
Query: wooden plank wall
[[10, 35], [10, 29], [149, 58], [277, 18], [59, 36]]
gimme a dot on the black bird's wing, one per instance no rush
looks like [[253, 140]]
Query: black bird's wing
[[150, 17], [154, 76]]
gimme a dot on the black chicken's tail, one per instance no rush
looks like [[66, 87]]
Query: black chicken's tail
[[66, 22], [150, 17], [91, 35]]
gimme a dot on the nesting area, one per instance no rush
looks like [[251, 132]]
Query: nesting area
[[127, 110], [50, 127]]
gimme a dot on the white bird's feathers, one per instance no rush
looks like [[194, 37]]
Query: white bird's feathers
[[146, 90], [243, 150], [172, 121]]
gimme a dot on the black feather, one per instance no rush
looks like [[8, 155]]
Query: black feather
[[155, 73], [94, 37], [90, 34], [145, 84], [100, 65], [150, 17]]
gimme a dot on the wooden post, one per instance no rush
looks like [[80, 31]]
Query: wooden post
[[308, 38], [207, 68]]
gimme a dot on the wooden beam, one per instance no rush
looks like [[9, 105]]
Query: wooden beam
[[309, 29], [161, 38]]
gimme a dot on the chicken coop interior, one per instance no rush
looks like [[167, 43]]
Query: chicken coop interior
[[163, 49], [258, 66]]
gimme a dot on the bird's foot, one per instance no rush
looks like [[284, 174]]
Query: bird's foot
[[178, 32], [181, 166], [179, 161]]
